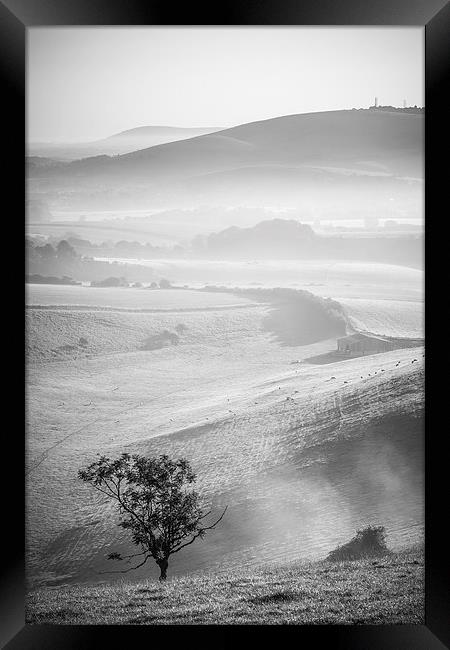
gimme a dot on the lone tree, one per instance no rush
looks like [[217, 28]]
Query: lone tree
[[155, 504]]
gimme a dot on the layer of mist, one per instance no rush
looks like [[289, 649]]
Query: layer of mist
[[141, 137], [367, 159]]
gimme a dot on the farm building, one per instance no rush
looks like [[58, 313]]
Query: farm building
[[356, 344]]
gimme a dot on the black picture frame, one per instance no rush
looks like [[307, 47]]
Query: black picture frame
[[15, 17]]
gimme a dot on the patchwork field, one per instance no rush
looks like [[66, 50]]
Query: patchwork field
[[326, 278], [302, 452]]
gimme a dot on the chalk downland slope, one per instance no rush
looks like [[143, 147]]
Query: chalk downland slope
[[386, 591], [119, 143], [302, 453], [368, 140], [329, 158]]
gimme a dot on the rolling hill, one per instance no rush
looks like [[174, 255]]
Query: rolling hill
[[140, 137], [302, 451], [354, 157]]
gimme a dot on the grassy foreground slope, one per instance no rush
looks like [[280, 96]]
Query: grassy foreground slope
[[387, 590], [302, 449]]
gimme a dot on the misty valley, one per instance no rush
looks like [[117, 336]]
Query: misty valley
[[249, 299]]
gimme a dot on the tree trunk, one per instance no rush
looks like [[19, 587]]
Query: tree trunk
[[163, 564]]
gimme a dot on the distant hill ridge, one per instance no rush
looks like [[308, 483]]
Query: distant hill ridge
[[361, 158], [307, 138], [140, 137], [140, 131]]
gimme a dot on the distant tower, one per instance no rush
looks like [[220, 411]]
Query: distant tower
[[376, 102], [404, 103]]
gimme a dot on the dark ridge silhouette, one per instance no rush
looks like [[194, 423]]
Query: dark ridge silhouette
[[366, 159], [394, 140]]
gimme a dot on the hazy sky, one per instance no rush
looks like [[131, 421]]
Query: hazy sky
[[88, 83]]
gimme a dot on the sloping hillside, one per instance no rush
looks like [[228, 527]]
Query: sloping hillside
[[370, 141], [325, 157], [118, 143], [302, 452], [389, 590]]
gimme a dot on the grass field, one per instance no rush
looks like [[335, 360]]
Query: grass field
[[303, 452], [383, 591], [336, 279], [394, 318], [126, 298]]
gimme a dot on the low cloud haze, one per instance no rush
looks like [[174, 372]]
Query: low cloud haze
[[224, 264], [89, 83]]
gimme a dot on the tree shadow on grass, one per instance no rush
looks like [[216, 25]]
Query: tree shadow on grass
[[301, 323], [276, 597]]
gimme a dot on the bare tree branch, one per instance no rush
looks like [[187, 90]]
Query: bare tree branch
[[200, 532], [128, 557], [205, 515], [127, 570], [216, 522]]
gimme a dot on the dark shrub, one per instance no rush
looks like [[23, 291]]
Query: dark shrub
[[110, 282], [368, 542], [157, 341]]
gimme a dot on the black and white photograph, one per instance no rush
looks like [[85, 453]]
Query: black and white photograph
[[225, 341]]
